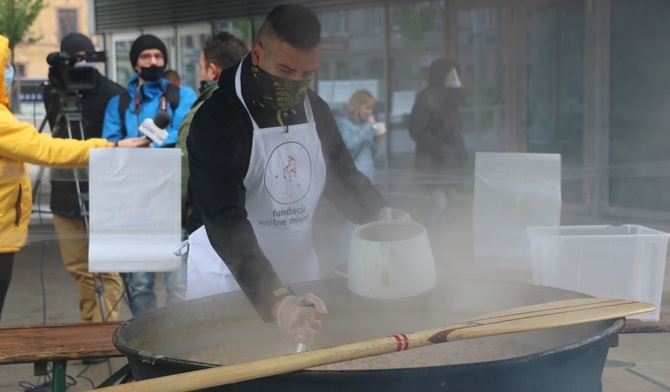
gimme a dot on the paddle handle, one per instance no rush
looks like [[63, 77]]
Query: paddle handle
[[229, 374]]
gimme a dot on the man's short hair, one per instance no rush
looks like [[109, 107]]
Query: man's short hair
[[172, 76], [294, 24], [224, 50]]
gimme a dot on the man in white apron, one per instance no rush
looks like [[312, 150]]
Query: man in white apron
[[259, 151]]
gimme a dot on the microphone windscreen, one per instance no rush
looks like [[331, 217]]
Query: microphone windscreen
[[162, 119]]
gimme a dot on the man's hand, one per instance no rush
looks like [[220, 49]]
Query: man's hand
[[135, 142], [301, 316], [388, 213]]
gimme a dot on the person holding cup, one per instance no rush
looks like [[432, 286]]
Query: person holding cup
[[360, 130], [361, 133]]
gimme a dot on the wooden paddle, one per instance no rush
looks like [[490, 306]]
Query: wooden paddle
[[526, 318]]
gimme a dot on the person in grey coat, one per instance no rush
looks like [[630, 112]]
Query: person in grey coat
[[435, 125]]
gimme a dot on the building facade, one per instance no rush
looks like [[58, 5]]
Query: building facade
[[57, 19], [585, 79]]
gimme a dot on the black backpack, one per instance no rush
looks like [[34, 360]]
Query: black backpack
[[171, 94]]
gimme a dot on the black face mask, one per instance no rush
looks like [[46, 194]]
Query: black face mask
[[205, 84], [281, 94], [152, 74]]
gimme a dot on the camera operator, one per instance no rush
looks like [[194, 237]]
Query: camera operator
[[69, 220]]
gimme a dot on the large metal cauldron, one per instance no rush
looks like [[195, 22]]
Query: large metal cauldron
[[562, 359]]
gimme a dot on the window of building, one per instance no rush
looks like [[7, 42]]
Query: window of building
[[20, 69], [375, 18], [67, 22], [342, 70], [335, 24], [188, 42], [342, 24]]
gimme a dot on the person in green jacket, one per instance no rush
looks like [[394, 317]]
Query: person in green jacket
[[220, 51]]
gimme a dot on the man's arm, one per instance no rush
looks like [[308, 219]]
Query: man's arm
[[21, 142], [181, 144]]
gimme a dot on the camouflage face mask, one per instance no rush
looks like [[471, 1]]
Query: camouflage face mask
[[281, 94]]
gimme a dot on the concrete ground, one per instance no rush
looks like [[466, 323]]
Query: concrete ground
[[43, 292]]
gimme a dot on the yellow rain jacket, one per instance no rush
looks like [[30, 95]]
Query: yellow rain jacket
[[20, 143]]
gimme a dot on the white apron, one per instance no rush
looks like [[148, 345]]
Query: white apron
[[284, 182]]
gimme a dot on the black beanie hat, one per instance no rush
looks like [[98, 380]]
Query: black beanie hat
[[144, 42], [75, 42]]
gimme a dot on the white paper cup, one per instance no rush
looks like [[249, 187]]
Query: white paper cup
[[380, 128]]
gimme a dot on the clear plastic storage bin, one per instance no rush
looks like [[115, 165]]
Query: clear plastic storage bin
[[625, 261]]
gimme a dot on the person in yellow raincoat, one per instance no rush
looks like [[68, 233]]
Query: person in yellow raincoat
[[21, 143]]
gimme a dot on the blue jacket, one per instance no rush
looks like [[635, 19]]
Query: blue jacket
[[359, 139], [151, 93]]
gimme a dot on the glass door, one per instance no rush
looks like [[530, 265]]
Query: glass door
[[555, 86], [639, 131], [596, 92], [120, 69], [416, 38], [352, 59], [191, 40], [523, 70], [482, 46]]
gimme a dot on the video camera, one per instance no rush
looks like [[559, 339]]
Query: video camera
[[66, 76]]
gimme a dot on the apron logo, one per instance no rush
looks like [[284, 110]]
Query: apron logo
[[288, 174], [290, 171]]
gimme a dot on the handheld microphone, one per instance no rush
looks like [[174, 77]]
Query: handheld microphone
[[155, 129]]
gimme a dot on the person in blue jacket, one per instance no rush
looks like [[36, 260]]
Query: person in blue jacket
[[148, 93], [361, 132]]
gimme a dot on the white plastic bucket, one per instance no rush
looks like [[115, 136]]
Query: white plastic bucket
[[390, 259]]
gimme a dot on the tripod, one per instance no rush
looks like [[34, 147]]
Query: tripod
[[70, 115]]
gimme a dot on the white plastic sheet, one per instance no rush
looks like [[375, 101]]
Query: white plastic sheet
[[134, 210], [513, 191]]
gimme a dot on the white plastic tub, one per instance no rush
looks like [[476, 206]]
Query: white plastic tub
[[625, 261]]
